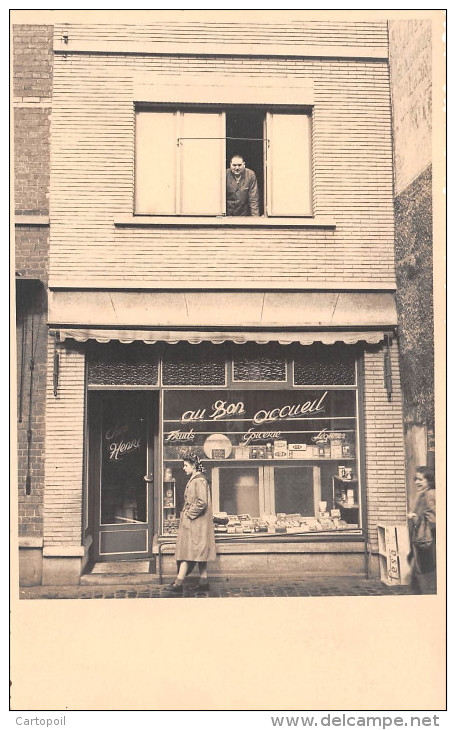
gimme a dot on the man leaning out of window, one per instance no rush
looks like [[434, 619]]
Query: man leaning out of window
[[241, 189]]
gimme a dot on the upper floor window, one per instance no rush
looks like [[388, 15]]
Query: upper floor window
[[212, 163]]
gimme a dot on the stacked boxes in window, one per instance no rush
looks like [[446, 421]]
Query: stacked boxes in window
[[280, 450]]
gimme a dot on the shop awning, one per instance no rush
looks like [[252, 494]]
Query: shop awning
[[239, 338], [217, 317]]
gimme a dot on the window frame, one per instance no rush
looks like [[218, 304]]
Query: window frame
[[186, 218], [266, 474]]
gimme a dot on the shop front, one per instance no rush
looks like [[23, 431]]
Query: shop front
[[278, 429], [299, 428]]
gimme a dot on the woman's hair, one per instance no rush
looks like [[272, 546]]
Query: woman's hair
[[428, 474], [194, 459]]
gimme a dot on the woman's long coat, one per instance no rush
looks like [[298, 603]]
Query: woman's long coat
[[424, 560], [195, 538]]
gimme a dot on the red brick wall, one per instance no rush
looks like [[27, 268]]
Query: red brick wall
[[32, 90], [32, 60], [32, 249], [31, 159]]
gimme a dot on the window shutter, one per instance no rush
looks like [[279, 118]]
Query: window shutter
[[156, 149], [289, 164], [202, 163]]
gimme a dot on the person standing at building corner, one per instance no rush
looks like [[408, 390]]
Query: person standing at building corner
[[241, 189], [195, 538], [422, 530]]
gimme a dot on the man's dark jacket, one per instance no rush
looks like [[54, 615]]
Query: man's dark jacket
[[242, 196]]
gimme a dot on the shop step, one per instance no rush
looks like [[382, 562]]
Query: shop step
[[105, 579], [124, 572], [124, 566]]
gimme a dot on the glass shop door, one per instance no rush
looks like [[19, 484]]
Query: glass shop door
[[123, 452]]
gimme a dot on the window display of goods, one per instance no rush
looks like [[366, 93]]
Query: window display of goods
[[280, 450], [217, 446], [327, 523], [248, 528], [171, 525], [241, 452], [233, 520], [270, 519], [220, 518], [335, 447], [280, 524]]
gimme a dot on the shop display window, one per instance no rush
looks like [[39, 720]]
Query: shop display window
[[280, 461]]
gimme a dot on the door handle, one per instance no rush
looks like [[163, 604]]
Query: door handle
[[149, 478]]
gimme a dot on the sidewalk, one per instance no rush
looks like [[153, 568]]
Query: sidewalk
[[223, 587]]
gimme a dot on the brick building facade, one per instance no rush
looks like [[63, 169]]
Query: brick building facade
[[32, 94], [153, 305]]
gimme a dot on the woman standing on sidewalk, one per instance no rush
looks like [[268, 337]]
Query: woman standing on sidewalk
[[422, 531], [195, 538]]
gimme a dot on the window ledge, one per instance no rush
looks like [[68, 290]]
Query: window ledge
[[344, 542], [31, 220], [147, 221]]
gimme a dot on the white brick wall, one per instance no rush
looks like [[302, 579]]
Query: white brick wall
[[410, 51], [304, 32], [385, 454], [64, 450], [93, 174]]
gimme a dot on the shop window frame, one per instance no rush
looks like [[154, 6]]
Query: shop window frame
[[158, 449], [359, 459]]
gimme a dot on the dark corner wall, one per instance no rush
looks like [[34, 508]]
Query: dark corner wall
[[410, 59]]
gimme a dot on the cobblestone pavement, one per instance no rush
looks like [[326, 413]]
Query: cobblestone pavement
[[227, 588]]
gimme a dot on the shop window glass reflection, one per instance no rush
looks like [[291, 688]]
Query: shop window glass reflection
[[239, 491], [294, 490]]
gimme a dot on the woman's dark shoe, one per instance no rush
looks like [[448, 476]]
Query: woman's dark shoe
[[203, 585], [174, 588]]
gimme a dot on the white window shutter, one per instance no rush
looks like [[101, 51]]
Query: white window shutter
[[155, 169], [289, 164], [202, 163]]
